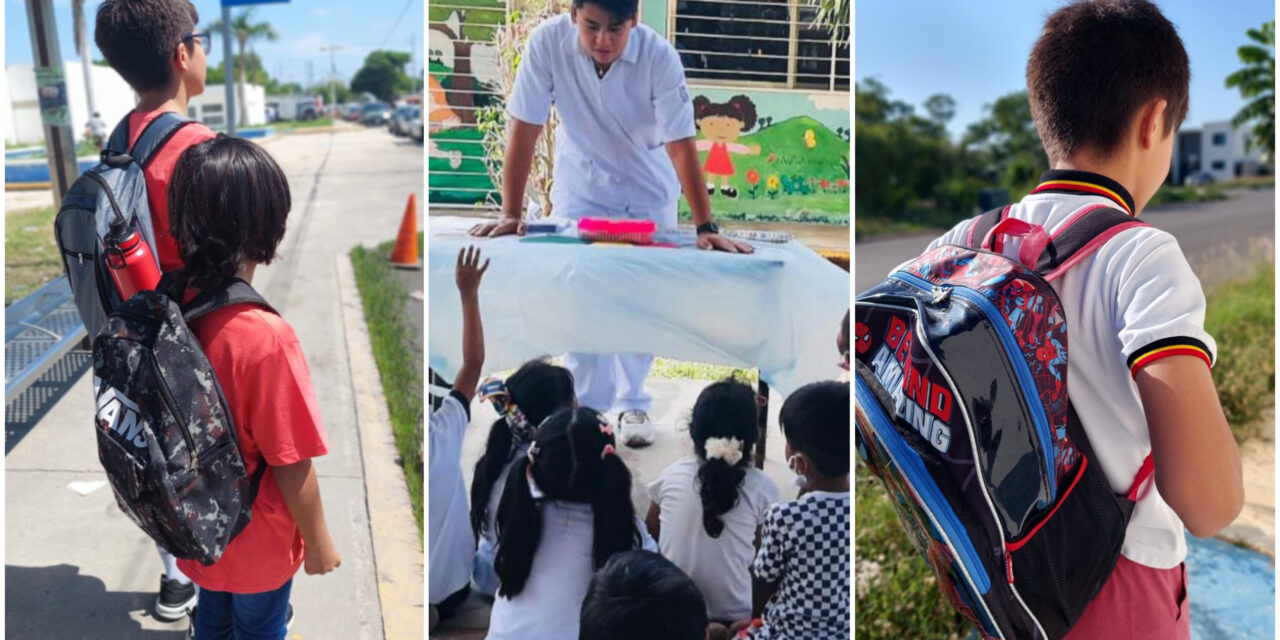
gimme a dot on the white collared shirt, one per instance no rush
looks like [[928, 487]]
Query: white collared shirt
[[610, 148]]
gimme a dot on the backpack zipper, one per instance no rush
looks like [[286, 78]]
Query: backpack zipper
[[173, 408]]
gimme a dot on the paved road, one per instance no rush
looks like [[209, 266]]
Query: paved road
[[1204, 230], [77, 568]]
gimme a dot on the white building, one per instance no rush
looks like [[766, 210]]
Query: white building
[[1217, 149], [113, 98]]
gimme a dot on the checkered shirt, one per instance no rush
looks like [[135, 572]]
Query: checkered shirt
[[805, 549]]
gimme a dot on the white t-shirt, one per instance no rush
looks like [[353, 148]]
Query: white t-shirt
[[719, 566], [549, 606], [450, 543], [610, 153], [1125, 305]]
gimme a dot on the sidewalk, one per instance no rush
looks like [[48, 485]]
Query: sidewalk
[[77, 568]]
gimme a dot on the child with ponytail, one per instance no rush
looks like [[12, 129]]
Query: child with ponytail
[[530, 395], [565, 510], [706, 510]]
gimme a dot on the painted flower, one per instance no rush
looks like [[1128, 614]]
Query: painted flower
[[842, 183], [773, 157], [753, 177], [773, 182], [825, 184], [810, 140]]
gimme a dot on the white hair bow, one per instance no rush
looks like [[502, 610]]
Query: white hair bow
[[727, 449]]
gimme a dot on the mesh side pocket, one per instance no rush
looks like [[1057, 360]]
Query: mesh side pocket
[[1063, 565]]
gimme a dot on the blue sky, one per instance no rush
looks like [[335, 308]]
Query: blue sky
[[921, 47], [303, 26]]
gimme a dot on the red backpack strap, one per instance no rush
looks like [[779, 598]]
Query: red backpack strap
[[1148, 467], [982, 225]]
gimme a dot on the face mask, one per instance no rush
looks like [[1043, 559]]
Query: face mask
[[799, 480]]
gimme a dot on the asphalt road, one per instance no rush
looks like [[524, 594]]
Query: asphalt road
[[1207, 232]]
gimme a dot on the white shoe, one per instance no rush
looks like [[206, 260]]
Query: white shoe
[[635, 428]]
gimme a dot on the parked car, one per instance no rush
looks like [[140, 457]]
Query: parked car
[[415, 125], [402, 118], [375, 113], [308, 109], [351, 111], [1199, 179]]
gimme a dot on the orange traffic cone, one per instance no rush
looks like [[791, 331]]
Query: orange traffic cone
[[405, 254]]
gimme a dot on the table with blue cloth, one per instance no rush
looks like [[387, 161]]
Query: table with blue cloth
[[777, 310]]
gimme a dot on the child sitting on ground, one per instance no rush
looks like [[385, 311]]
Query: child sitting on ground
[[802, 570], [706, 510], [450, 543], [225, 233], [640, 595], [565, 510], [530, 395]]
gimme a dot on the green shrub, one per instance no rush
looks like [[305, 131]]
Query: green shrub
[[1240, 315]]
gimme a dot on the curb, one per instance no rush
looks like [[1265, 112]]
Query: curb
[[397, 551]]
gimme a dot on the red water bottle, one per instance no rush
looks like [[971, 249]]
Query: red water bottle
[[130, 261]]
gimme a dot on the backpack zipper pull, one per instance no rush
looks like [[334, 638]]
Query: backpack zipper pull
[[80, 259], [941, 294]]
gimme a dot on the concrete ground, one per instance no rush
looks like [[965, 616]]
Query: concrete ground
[[76, 567], [672, 402]]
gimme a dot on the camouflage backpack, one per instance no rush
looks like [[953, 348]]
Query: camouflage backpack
[[165, 433]]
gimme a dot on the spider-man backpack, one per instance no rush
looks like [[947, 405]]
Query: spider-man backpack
[[963, 414]]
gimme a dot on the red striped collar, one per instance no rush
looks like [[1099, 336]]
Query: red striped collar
[[1070, 181]]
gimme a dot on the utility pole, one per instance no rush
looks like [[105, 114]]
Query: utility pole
[[311, 76], [228, 71], [413, 62], [51, 94], [82, 47], [333, 73]]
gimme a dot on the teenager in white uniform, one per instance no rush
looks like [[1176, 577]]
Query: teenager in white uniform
[[625, 148]]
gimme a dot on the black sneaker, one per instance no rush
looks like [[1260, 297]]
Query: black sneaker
[[175, 600], [729, 192]]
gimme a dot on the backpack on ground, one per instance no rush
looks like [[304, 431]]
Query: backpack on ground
[[165, 434], [963, 414], [115, 190]]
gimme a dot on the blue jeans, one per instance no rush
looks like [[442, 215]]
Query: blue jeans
[[221, 615]]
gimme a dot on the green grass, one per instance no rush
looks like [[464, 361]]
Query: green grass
[[30, 253], [399, 360], [897, 595], [290, 125], [1169, 194], [1240, 315]]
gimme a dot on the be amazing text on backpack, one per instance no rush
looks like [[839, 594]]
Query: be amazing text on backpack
[[963, 414], [165, 434], [113, 191]]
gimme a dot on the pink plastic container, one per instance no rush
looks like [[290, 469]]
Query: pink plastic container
[[606, 230]]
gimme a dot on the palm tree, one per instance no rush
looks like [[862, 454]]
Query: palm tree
[[1257, 82], [245, 33], [834, 14]]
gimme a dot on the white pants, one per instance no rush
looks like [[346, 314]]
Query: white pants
[[609, 381]]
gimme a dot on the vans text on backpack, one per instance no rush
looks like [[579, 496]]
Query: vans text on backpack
[[963, 414]]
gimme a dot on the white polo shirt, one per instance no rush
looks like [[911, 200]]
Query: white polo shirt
[[450, 542], [610, 153], [1132, 302]]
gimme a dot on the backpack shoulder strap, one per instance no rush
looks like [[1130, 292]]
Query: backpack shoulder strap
[[155, 136], [119, 140], [1085, 233], [236, 291], [983, 225]]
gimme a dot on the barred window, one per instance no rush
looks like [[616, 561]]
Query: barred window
[[758, 42]]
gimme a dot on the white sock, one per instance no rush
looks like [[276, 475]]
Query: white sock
[[171, 571]]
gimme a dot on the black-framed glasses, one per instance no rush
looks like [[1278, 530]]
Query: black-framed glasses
[[206, 39]]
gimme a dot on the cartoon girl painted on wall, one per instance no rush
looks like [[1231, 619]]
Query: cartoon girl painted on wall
[[721, 124]]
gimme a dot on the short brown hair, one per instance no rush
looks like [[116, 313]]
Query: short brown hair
[[1096, 63], [137, 38]]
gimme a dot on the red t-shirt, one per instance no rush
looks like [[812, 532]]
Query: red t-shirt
[[264, 376], [157, 175]]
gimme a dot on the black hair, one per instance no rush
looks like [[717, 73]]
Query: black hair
[[137, 37], [570, 464], [739, 107], [228, 201], [815, 421], [725, 409], [640, 595], [539, 389], [620, 9], [1095, 65]]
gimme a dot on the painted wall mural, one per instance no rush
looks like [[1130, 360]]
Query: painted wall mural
[[462, 68]]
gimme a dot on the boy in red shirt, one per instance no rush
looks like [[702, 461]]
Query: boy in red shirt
[[152, 44], [222, 234]]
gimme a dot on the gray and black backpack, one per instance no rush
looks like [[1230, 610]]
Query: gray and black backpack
[[165, 433], [113, 191]]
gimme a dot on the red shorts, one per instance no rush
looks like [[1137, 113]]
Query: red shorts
[[1137, 603]]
